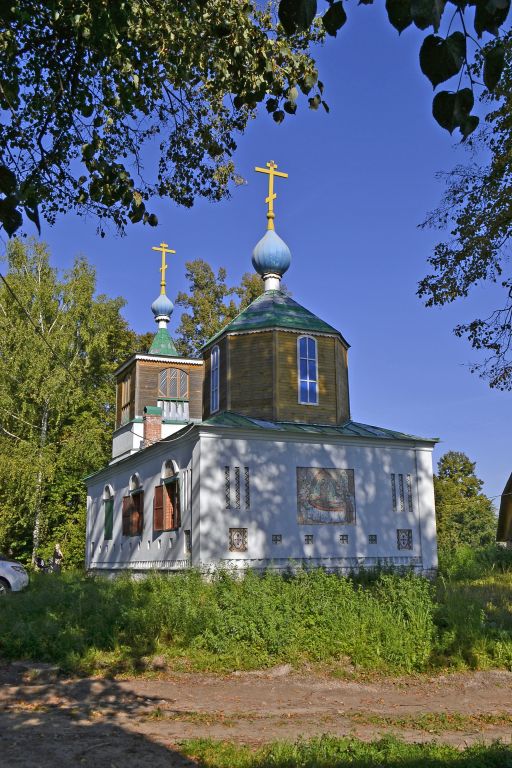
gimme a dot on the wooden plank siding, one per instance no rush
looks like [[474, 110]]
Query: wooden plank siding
[[252, 378], [144, 390], [332, 405], [119, 388]]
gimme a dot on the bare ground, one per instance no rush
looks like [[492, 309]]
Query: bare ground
[[47, 720]]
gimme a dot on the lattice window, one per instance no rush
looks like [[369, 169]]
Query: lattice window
[[308, 538], [409, 493], [247, 488], [343, 538], [238, 539], [401, 491], [393, 491], [404, 538], [277, 538], [237, 487], [227, 487], [372, 538], [173, 383], [308, 370]]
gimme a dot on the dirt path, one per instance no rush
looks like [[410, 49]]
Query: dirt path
[[46, 720]]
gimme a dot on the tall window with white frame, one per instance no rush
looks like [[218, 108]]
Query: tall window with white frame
[[214, 380], [308, 370]]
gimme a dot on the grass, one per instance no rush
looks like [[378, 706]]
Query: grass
[[434, 722], [381, 622], [331, 752]]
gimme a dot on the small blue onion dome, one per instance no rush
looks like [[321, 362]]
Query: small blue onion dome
[[271, 255], [162, 307]]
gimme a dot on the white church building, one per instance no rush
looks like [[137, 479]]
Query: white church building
[[247, 456]]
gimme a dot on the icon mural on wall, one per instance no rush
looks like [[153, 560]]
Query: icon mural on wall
[[325, 496]]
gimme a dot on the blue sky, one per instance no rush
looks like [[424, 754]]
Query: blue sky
[[360, 181]]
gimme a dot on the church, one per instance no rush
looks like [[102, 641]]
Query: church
[[247, 456]]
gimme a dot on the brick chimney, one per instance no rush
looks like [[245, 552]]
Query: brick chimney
[[152, 425]]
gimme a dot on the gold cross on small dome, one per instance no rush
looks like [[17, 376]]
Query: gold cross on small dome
[[164, 249], [272, 171]]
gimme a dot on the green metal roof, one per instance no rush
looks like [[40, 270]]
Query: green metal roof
[[274, 309], [163, 344], [347, 429]]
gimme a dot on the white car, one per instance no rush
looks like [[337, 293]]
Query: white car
[[13, 576]]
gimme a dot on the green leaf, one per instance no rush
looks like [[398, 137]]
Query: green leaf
[[326, 106], [464, 101], [468, 125], [315, 102], [7, 180], [451, 110], [443, 108], [272, 105], [293, 94], [399, 13], [308, 82], [334, 18], [32, 213], [441, 59], [152, 220], [427, 13], [10, 218], [290, 107], [296, 15], [490, 15], [278, 116], [494, 61]]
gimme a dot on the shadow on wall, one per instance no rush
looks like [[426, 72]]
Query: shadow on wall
[[69, 723], [273, 501]]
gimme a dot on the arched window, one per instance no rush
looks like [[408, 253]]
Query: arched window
[[108, 509], [214, 380], [173, 382], [173, 394], [166, 499], [308, 370]]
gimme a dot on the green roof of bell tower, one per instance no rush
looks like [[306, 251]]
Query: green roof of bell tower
[[163, 344]]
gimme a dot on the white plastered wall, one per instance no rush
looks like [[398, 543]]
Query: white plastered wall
[[272, 508]]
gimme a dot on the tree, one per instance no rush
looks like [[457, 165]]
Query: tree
[[464, 514], [477, 207], [441, 58], [86, 85], [211, 304], [59, 347]]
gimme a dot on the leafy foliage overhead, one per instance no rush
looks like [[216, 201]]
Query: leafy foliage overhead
[[477, 208], [86, 85], [441, 58]]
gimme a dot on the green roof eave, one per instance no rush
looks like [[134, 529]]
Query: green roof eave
[[347, 429], [274, 309]]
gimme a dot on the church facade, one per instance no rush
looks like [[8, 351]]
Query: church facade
[[247, 457]]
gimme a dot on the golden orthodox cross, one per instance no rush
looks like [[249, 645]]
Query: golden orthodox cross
[[272, 171], [163, 248]]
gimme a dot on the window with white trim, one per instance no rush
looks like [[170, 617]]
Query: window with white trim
[[214, 379], [108, 509], [173, 394], [308, 370]]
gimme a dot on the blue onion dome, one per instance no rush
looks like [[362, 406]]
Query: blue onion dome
[[162, 306], [271, 255]]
